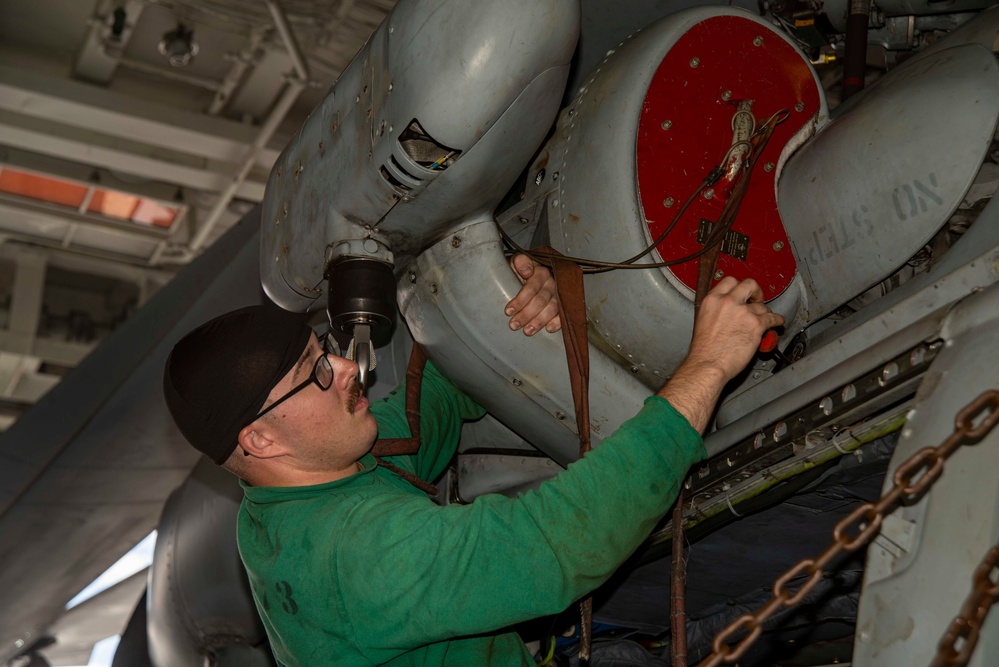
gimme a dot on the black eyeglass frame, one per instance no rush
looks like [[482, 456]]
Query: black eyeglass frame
[[323, 360]]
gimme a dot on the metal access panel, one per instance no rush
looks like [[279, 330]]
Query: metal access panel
[[644, 130], [451, 297], [686, 130], [919, 569]]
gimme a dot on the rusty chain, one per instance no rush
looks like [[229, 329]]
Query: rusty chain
[[959, 642], [911, 480]]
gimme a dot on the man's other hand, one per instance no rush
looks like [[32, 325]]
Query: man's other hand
[[729, 326], [727, 332], [536, 305]]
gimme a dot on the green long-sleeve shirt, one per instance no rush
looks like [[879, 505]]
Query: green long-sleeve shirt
[[367, 570]]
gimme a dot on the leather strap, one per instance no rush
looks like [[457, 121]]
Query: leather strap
[[426, 487], [414, 385], [572, 312], [705, 276], [410, 445]]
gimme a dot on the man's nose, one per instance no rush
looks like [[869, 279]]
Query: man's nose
[[344, 371]]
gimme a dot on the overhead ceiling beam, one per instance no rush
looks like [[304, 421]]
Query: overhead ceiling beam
[[120, 245], [244, 60], [16, 209], [139, 165], [83, 174], [68, 260], [290, 43], [90, 108]]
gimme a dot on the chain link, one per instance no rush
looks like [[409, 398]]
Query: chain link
[[912, 479], [958, 643]]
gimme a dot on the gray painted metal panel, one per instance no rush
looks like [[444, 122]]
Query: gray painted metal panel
[[837, 10], [981, 30], [607, 24], [453, 302], [488, 89], [919, 571], [475, 185], [851, 224], [644, 318], [886, 328]]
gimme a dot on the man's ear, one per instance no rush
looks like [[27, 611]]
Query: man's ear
[[257, 441]]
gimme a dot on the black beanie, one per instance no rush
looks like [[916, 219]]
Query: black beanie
[[219, 375]]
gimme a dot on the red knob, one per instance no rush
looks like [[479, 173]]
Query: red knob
[[769, 342]]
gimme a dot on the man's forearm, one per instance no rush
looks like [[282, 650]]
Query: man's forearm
[[693, 391], [727, 332]]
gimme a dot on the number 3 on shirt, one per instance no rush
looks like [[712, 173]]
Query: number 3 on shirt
[[288, 602]]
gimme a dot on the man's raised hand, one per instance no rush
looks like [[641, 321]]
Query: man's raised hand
[[536, 305]]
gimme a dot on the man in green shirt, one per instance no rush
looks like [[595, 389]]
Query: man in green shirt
[[351, 565]]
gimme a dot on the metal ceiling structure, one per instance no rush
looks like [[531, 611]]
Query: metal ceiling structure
[[91, 103]]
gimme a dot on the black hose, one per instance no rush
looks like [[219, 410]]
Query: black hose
[[855, 58]]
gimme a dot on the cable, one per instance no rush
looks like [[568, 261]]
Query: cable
[[679, 214], [752, 120], [764, 130], [551, 652], [786, 114]]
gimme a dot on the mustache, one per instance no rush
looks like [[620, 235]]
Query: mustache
[[353, 394]]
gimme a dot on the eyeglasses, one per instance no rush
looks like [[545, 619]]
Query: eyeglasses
[[329, 343], [322, 375]]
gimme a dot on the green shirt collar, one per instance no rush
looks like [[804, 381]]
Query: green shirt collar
[[272, 494]]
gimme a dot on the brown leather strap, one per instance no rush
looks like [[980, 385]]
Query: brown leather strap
[[705, 276], [678, 598], [410, 445], [414, 385], [426, 487], [572, 312]]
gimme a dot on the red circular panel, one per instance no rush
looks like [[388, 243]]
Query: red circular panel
[[686, 129]]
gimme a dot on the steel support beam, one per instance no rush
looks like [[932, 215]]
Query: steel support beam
[[14, 208], [113, 114], [99, 156]]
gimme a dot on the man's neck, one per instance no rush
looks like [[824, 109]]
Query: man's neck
[[287, 476]]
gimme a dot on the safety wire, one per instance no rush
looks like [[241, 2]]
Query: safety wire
[[763, 132], [791, 32]]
